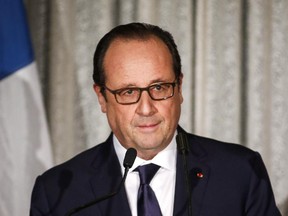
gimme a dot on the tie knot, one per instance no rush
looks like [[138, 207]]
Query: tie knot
[[147, 172]]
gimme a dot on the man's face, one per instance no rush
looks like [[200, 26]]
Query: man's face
[[148, 126]]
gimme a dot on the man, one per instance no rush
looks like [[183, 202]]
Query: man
[[138, 81]]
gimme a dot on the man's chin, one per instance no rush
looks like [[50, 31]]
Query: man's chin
[[148, 143]]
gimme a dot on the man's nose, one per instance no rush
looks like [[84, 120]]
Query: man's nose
[[146, 105]]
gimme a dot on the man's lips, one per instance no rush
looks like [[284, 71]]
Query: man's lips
[[149, 126]]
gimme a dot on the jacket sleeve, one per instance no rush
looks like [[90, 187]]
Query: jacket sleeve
[[39, 203], [260, 200]]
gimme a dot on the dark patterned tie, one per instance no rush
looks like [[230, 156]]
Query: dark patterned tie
[[147, 204]]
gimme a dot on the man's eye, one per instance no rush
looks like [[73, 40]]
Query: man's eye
[[158, 87], [127, 92]]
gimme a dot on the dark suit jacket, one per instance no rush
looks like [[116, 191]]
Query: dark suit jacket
[[226, 180]]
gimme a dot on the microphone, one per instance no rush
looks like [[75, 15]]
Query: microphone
[[129, 159], [182, 145]]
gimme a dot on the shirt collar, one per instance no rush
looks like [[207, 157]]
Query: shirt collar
[[165, 159]]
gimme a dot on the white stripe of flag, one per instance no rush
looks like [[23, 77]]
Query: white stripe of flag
[[25, 149]]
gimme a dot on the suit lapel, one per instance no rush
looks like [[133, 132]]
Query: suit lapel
[[198, 172], [106, 179]]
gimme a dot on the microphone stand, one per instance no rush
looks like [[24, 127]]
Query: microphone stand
[[182, 144], [128, 162]]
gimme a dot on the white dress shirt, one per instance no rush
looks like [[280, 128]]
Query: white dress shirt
[[163, 183]]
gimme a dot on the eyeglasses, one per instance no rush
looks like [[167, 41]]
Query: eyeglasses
[[157, 92]]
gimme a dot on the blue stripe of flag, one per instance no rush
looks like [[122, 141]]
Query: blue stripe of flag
[[15, 45]]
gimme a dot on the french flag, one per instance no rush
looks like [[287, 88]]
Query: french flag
[[25, 149]]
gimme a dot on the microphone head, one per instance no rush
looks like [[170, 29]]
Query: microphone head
[[129, 158]]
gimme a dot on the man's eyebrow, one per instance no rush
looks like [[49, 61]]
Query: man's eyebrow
[[152, 82]]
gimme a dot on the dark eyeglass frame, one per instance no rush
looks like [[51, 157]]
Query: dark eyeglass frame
[[117, 91]]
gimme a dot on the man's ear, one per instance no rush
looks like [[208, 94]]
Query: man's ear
[[180, 82], [101, 98]]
